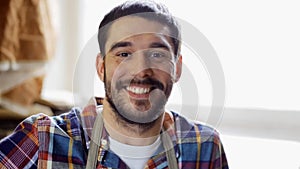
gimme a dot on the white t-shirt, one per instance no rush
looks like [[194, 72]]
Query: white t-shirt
[[135, 157]]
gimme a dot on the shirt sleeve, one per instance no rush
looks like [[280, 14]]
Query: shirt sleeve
[[219, 160], [20, 149]]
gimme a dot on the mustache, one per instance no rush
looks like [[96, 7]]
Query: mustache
[[154, 83]]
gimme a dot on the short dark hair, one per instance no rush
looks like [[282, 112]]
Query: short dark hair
[[145, 9]]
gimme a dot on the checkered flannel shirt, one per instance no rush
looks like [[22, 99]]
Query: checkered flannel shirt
[[62, 141]]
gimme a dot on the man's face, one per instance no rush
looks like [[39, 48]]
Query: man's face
[[140, 68]]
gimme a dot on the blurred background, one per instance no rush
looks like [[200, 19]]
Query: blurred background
[[48, 50]]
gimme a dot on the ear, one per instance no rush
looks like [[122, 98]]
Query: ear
[[100, 66], [178, 68]]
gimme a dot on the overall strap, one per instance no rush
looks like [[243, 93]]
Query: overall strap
[[169, 149], [95, 142]]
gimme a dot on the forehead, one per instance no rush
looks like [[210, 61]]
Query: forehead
[[130, 26]]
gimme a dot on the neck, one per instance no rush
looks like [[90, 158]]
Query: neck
[[128, 133]]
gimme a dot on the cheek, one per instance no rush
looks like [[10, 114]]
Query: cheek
[[115, 71], [163, 76], [167, 69], [109, 71], [110, 66]]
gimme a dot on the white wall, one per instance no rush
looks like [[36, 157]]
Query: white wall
[[251, 152]]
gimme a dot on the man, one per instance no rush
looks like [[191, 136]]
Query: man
[[139, 61]]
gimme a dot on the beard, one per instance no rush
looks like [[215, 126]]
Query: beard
[[141, 113]]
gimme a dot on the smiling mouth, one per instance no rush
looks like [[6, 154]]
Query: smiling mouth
[[139, 92], [141, 89]]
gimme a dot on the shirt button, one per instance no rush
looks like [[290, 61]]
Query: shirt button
[[104, 143], [177, 154]]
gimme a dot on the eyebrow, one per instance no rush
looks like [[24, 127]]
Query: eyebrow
[[159, 45], [119, 45]]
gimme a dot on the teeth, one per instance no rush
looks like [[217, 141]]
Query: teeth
[[138, 90]]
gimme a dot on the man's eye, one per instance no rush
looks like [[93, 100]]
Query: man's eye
[[123, 54], [156, 54]]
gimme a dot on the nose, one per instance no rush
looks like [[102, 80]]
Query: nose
[[141, 66]]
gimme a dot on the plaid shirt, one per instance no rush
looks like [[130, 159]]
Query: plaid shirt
[[62, 141]]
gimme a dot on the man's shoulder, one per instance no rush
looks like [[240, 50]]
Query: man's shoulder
[[42, 124], [42, 137], [194, 128], [41, 127], [58, 120], [200, 143]]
